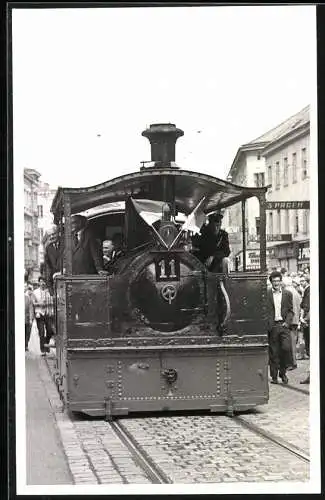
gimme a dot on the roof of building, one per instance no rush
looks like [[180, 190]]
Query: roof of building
[[31, 173], [292, 123]]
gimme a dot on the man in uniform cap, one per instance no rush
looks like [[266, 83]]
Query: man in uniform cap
[[213, 245]]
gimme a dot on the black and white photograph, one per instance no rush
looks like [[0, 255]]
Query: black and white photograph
[[165, 198]]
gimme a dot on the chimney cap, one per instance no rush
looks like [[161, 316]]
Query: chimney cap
[[163, 128]]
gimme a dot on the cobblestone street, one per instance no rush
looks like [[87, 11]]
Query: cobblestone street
[[292, 424], [213, 449], [191, 448]]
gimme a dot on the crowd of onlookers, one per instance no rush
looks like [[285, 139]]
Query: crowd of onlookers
[[288, 321]]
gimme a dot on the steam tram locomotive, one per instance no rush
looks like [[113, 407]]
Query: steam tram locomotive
[[161, 332]]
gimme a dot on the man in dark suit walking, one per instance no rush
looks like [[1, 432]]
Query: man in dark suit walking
[[212, 246], [279, 305], [87, 255], [52, 258]]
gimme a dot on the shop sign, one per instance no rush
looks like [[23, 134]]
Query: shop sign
[[304, 252], [287, 205], [283, 252], [235, 237], [253, 259], [271, 237]]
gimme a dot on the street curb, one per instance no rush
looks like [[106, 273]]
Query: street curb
[[77, 461]]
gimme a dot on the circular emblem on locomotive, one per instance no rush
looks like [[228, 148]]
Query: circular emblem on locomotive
[[168, 292]]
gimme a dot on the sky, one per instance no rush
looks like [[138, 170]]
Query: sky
[[87, 82]]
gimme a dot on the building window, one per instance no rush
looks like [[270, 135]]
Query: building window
[[258, 156], [279, 221], [277, 175], [41, 234], [28, 203], [286, 222], [305, 222], [296, 222], [285, 171], [27, 254], [304, 164], [269, 175], [259, 180], [257, 225], [294, 167], [271, 223], [28, 228], [40, 210]]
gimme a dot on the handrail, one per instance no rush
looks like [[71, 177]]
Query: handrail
[[228, 312]]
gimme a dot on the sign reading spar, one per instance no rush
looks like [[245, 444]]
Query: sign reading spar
[[293, 205]]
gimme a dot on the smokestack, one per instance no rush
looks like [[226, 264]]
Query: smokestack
[[163, 137]]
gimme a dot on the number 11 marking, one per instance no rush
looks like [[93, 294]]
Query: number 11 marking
[[162, 267], [172, 269]]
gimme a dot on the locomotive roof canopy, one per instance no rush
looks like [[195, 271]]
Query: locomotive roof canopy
[[190, 187]]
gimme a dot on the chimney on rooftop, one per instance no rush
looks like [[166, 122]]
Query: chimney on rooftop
[[163, 137]]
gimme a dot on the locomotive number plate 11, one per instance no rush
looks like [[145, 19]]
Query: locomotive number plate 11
[[167, 267]]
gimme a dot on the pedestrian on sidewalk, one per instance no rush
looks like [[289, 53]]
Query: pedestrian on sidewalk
[[305, 321], [296, 301], [29, 312], [279, 304], [44, 314]]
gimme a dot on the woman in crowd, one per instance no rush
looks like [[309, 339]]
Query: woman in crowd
[[29, 312]]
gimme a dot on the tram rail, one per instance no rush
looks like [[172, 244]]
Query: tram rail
[[297, 389], [301, 454], [142, 459]]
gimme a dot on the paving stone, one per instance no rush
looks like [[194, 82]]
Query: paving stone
[[85, 481], [91, 479], [108, 477]]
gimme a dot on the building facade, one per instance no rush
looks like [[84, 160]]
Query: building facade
[[248, 169], [31, 233], [287, 172], [278, 159], [45, 217]]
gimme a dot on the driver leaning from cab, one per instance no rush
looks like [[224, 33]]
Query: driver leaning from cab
[[212, 245], [86, 249]]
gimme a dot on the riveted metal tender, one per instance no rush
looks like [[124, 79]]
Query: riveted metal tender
[[160, 330]]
